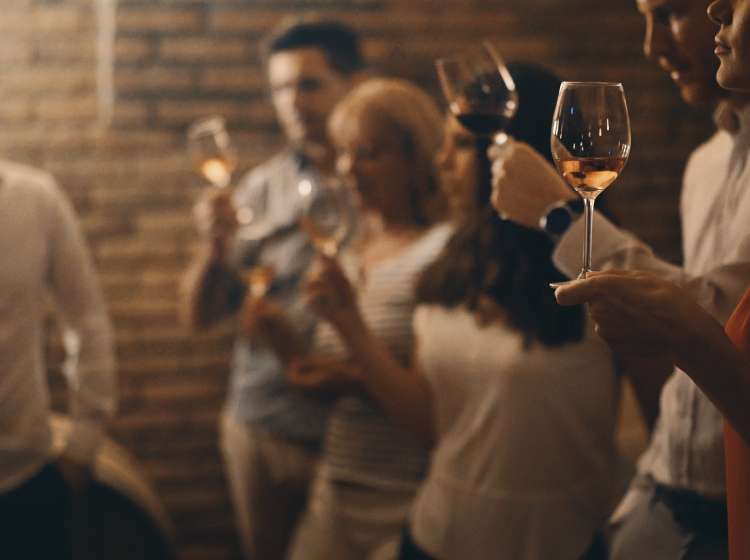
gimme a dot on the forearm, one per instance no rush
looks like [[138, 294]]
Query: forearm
[[206, 288], [722, 372], [647, 375], [402, 392]]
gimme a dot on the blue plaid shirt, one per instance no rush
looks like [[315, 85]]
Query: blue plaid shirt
[[258, 393]]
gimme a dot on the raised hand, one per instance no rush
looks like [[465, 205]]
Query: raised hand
[[321, 376], [262, 319], [636, 308], [330, 294], [216, 218], [524, 184]]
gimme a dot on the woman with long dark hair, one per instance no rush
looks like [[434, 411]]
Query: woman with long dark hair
[[516, 394]]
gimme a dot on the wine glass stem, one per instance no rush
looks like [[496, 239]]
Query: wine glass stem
[[588, 212]]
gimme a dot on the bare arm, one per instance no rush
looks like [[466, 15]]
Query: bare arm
[[210, 289], [643, 311], [402, 392], [323, 377], [648, 370], [721, 371]]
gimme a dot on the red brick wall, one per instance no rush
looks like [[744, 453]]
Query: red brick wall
[[181, 59]]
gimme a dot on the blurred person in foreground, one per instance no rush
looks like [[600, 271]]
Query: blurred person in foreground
[[677, 504], [43, 253], [671, 323], [516, 396], [271, 435], [386, 133]]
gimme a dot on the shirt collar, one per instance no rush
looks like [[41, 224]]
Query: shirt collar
[[301, 160]]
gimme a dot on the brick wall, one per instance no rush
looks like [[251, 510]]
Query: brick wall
[[176, 60]]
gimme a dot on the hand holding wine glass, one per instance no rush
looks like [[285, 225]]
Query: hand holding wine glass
[[214, 157], [211, 151], [480, 91], [590, 143], [327, 214]]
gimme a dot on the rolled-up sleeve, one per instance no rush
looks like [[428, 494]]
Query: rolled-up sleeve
[[87, 332], [718, 290]]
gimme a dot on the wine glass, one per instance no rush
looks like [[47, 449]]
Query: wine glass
[[211, 151], [327, 213], [480, 91], [214, 157], [590, 143]]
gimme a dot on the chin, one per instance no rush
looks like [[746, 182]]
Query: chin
[[732, 80]]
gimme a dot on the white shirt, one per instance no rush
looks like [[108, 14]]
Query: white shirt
[[687, 448], [525, 462], [43, 252]]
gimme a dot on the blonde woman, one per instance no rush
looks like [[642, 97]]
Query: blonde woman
[[387, 133]]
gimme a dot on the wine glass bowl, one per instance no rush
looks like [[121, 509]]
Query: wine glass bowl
[[480, 91], [590, 143], [258, 279], [211, 151], [326, 214]]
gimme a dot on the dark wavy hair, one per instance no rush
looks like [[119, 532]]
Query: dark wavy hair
[[493, 263], [338, 41]]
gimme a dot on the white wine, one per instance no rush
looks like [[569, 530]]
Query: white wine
[[589, 176], [217, 171], [325, 241], [259, 279]]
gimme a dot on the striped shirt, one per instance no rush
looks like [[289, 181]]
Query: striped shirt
[[362, 444]]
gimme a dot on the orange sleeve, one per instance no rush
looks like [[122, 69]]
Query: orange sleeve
[[737, 452]]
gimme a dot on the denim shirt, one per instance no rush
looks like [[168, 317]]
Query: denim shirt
[[259, 396]]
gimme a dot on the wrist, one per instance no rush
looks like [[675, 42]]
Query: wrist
[[559, 216], [703, 347], [352, 328]]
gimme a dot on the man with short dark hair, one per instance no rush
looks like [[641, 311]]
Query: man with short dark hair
[[677, 505], [271, 435]]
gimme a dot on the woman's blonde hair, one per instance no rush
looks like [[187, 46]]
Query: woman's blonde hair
[[414, 116]]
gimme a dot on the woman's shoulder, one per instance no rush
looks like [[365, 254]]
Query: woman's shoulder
[[429, 244]]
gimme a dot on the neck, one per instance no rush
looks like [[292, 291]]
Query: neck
[[320, 154], [399, 219], [738, 100], [380, 224]]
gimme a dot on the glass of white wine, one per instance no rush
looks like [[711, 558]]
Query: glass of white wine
[[327, 213], [211, 151], [590, 143], [214, 157]]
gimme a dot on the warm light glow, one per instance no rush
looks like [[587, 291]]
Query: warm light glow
[[305, 187], [216, 172]]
